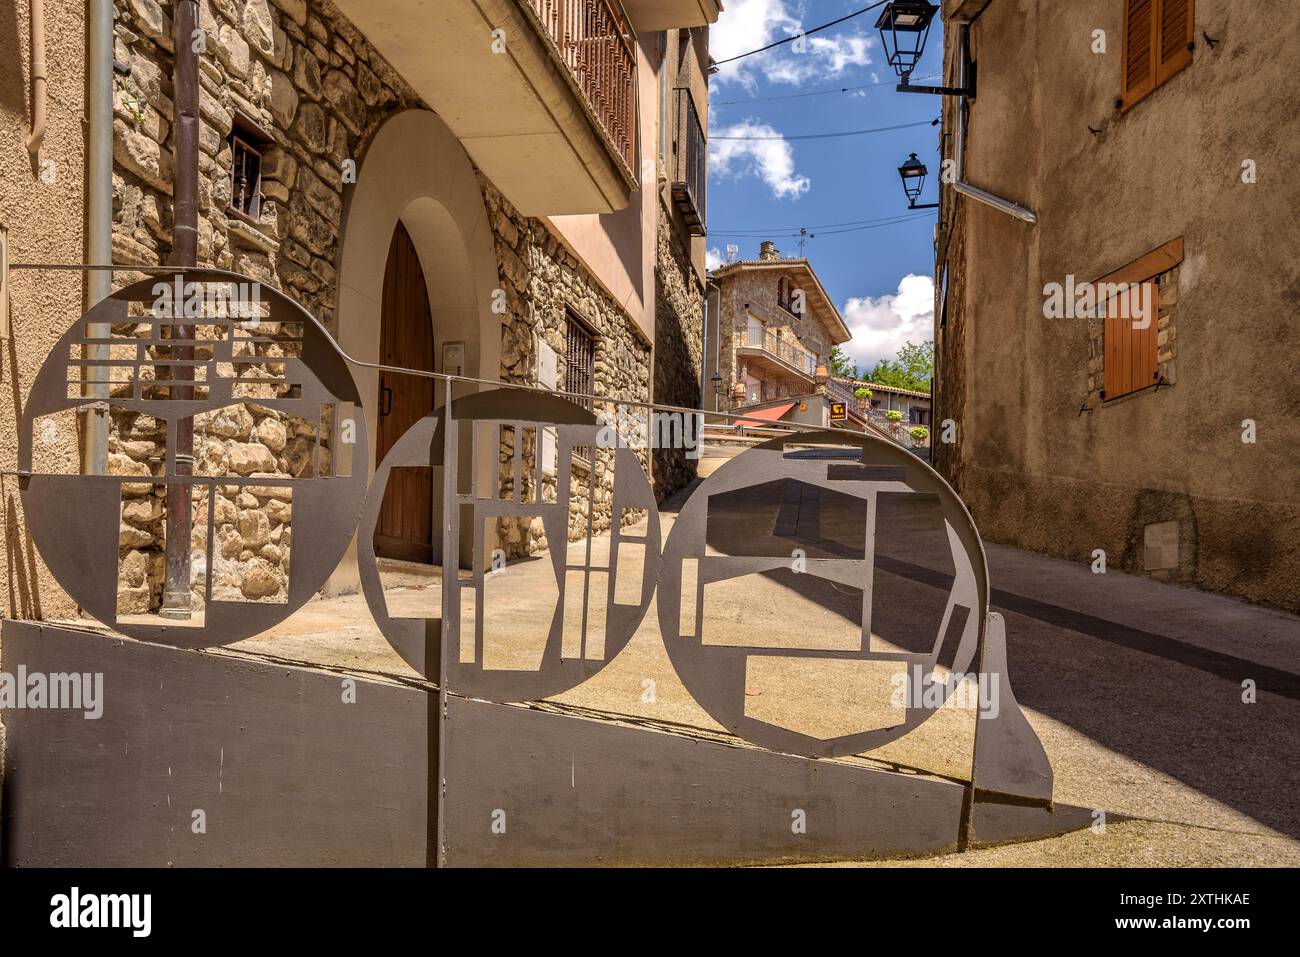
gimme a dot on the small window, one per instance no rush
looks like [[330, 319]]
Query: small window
[[1158, 42], [579, 366], [1130, 340], [785, 294], [1132, 308], [247, 144]]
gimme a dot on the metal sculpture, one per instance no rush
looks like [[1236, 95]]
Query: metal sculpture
[[256, 347], [877, 569], [817, 509], [533, 488]]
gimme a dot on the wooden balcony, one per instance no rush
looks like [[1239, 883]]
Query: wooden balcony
[[691, 176], [541, 93]]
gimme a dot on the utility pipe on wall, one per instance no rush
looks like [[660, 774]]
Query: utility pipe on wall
[[99, 215], [177, 600], [40, 79], [961, 186]]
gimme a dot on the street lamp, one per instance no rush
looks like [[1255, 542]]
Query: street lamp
[[913, 173], [904, 27]]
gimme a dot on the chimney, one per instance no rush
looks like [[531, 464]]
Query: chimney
[[768, 251]]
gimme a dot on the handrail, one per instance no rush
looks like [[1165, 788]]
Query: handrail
[[788, 352], [692, 155], [400, 370]]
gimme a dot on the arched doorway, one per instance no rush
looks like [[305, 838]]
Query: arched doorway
[[416, 175], [406, 339]]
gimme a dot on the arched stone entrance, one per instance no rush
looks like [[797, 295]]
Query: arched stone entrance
[[417, 174]]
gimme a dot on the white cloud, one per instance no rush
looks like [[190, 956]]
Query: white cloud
[[713, 258], [881, 326], [747, 25], [770, 159]]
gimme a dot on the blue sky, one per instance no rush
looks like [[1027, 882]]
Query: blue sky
[[879, 278]]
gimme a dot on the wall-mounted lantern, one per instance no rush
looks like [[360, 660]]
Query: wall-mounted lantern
[[913, 173], [904, 27]]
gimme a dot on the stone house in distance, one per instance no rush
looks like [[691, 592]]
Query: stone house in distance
[[1162, 164], [771, 329], [512, 190]]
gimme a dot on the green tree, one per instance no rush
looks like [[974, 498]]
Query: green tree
[[919, 362], [913, 368], [843, 366]]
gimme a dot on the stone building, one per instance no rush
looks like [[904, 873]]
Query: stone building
[[482, 188], [1154, 152], [771, 331]]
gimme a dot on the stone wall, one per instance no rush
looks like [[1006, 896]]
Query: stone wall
[[305, 76], [542, 279], [302, 73], [679, 332], [743, 288], [310, 81]]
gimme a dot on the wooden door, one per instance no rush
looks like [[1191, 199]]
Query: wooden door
[[405, 529]]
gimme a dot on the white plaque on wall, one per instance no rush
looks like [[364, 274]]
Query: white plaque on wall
[[547, 376], [547, 365], [453, 358]]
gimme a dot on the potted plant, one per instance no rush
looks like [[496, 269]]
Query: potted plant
[[895, 419], [919, 434], [863, 395]]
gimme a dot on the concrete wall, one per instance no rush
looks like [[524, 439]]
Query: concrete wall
[[1108, 188], [41, 203]]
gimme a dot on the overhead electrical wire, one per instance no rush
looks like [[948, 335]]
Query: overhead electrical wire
[[825, 92], [804, 33], [737, 230], [770, 234], [827, 136]]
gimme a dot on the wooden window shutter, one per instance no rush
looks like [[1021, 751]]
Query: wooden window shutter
[[1174, 38], [1130, 352], [1139, 49]]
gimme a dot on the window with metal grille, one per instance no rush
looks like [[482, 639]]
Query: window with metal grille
[[247, 144], [579, 365]]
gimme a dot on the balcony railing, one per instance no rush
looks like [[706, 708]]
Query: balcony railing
[[691, 178], [792, 355], [594, 41]]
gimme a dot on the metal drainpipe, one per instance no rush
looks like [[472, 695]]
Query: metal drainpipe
[[40, 78], [177, 601], [716, 309], [99, 217], [966, 189]]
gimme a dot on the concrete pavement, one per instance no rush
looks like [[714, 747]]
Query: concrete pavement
[[1134, 687]]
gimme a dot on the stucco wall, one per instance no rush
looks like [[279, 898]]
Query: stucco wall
[[42, 207], [1038, 472]]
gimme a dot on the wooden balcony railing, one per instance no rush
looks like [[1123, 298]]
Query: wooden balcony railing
[[691, 177], [596, 44]]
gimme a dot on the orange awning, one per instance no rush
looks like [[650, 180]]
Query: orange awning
[[773, 414]]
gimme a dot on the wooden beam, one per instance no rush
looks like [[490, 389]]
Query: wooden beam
[[1159, 260]]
